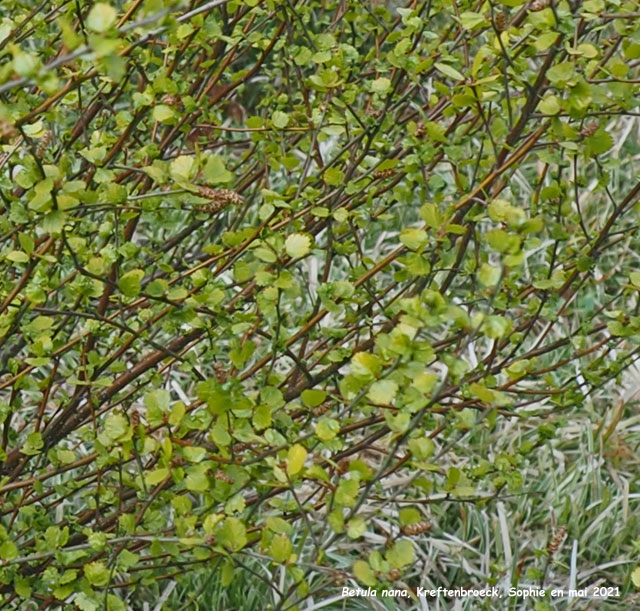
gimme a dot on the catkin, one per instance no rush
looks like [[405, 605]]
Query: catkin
[[221, 476], [44, 144], [538, 5], [7, 130], [321, 409], [554, 544], [416, 529], [500, 21], [177, 461], [589, 129], [219, 199], [171, 99], [134, 418], [221, 372], [394, 574], [343, 466]]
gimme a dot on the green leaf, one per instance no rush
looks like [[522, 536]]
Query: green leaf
[[598, 143], [42, 199], [471, 20], [449, 71], [24, 64], [8, 550], [97, 574], [85, 603], [381, 85], [298, 245], [17, 256], [184, 30], [158, 399], [194, 454], [280, 119], [333, 176], [177, 414], [220, 435], [116, 428], [153, 478], [346, 492], [436, 132], [549, 105], [236, 504], [197, 481], [312, 397], [327, 428], [281, 548], [278, 525], [425, 382], [262, 417], [489, 275], [295, 459], [356, 527], [414, 239], [227, 574], [561, 73], [182, 168], [363, 573], [22, 587], [496, 327], [130, 284], [382, 392], [215, 171], [482, 392], [101, 17], [409, 516], [421, 447], [66, 457], [365, 365], [33, 444], [232, 534], [545, 40], [401, 554]]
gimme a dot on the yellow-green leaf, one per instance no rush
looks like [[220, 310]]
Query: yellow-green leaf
[[156, 476], [363, 573], [298, 245], [449, 71], [101, 17], [281, 548], [382, 392], [401, 554], [295, 459], [130, 284]]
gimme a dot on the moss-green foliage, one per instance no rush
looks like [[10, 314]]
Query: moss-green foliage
[[302, 293]]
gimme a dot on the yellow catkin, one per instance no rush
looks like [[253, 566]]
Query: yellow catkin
[[384, 173]]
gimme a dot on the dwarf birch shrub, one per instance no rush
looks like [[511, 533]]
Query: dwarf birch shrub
[[291, 287]]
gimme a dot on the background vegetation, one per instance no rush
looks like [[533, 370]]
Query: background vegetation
[[299, 294]]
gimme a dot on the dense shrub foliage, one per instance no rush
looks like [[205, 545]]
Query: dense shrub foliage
[[299, 294]]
